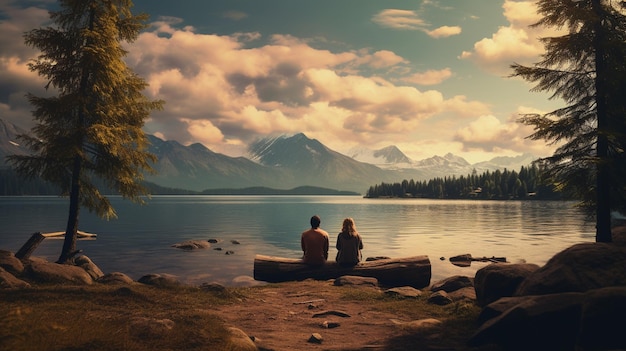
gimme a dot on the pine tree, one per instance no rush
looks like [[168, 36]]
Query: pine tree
[[585, 68], [93, 128]]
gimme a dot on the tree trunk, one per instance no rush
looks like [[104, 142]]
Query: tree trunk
[[71, 230], [603, 190], [409, 271]]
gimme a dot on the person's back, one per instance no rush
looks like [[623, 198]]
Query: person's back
[[349, 244], [315, 243]]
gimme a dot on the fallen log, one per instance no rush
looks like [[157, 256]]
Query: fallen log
[[408, 271]]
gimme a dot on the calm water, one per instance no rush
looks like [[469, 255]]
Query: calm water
[[139, 241]]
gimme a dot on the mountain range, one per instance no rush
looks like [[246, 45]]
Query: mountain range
[[286, 162]]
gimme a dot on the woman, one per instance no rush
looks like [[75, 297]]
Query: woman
[[349, 244]]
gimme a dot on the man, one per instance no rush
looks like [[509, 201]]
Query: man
[[314, 243]]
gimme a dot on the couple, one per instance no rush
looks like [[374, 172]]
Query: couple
[[314, 243]]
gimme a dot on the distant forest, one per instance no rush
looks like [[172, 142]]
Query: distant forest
[[496, 185]]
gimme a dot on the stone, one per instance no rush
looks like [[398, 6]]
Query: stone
[[238, 340], [404, 292], [91, 268], [452, 283], [214, 287], [192, 244], [10, 263], [466, 293], [356, 281], [47, 272], [418, 325], [540, 322], [9, 281], [499, 280], [440, 298], [603, 320], [316, 338], [115, 278], [160, 280], [581, 267], [329, 324]]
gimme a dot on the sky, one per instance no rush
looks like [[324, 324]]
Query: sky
[[429, 76]]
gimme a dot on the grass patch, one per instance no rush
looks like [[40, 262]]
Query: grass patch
[[98, 317]]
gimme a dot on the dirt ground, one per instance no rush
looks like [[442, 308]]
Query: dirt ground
[[283, 317]]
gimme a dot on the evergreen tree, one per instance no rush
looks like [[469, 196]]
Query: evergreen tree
[[93, 128], [585, 68]]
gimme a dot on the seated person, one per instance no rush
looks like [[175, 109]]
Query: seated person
[[349, 244], [314, 243]]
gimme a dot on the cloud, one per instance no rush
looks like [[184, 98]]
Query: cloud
[[235, 15], [487, 133], [516, 42], [399, 19], [430, 77], [444, 31]]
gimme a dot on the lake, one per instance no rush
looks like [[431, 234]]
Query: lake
[[140, 241]]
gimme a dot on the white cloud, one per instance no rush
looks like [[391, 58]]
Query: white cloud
[[399, 19], [430, 77], [445, 31]]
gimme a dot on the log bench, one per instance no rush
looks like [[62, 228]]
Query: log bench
[[391, 272]]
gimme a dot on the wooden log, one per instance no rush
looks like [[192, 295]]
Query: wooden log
[[409, 271], [29, 247]]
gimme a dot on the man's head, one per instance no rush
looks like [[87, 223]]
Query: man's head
[[315, 221]]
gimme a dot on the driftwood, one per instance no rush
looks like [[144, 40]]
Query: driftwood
[[407, 271], [466, 260], [29, 246]]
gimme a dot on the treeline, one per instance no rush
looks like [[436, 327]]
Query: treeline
[[490, 185]]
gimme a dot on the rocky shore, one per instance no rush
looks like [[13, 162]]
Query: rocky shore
[[576, 301]]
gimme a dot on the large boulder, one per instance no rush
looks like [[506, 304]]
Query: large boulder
[[499, 280], [593, 320], [91, 268], [161, 280], [9, 281], [581, 267], [42, 271], [453, 283], [115, 278], [10, 263]]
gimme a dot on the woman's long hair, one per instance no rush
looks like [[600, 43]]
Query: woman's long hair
[[349, 227]]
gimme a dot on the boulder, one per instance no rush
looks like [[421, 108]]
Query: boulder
[[440, 298], [603, 320], [404, 292], [452, 284], [500, 279], [467, 293], [192, 244], [9, 281], [238, 340], [160, 280], [115, 278], [10, 263], [48, 272], [356, 280], [580, 268], [546, 322], [91, 268]]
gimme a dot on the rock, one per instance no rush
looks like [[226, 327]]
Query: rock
[[500, 279], [214, 287], [603, 320], [440, 298], [214, 241], [356, 280], [235, 242], [91, 268], [10, 263], [452, 283], [467, 293], [329, 324], [230, 252], [404, 292], [418, 325], [238, 340], [47, 272], [498, 307], [9, 281], [316, 338], [545, 322], [160, 280], [150, 328], [581, 267], [192, 244], [115, 278]]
